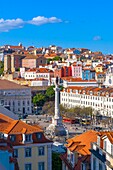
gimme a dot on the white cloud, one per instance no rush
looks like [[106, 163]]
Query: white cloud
[[97, 38], [9, 24], [40, 20]]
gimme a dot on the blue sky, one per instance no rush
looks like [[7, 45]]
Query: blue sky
[[67, 23]]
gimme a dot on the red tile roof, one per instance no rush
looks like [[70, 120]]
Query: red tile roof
[[17, 127], [40, 70], [84, 141], [72, 79]]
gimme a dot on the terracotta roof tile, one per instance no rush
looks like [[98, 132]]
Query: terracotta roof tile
[[72, 79], [17, 128], [85, 140]]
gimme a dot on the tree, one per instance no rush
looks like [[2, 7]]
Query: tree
[[76, 111], [48, 60], [1, 67], [39, 99], [57, 58], [50, 93], [18, 69], [87, 111], [56, 161], [49, 108]]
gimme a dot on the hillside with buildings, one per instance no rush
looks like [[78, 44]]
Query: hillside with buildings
[[41, 81]]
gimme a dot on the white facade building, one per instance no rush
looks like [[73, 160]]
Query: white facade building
[[109, 77], [102, 152], [70, 81], [38, 73], [40, 82], [22, 72], [16, 97], [100, 99]]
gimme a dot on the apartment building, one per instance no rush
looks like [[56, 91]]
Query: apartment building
[[63, 71], [30, 147], [100, 99], [76, 70], [102, 152], [100, 77], [99, 68], [39, 76], [33, 61], [78, 155], [88, 74], [16, 97], [7, 162], [109, 77]]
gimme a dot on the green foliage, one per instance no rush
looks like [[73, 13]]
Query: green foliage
[[87, 111], [57, 58], [48, 108], [61, 88], [39, 99], [76, 111], [18, 69], [56, 161], [50, 93], [42, 100], [48, 60], [1, 67]]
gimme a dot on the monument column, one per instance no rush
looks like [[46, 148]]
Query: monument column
[[57, 111], [57, 127]]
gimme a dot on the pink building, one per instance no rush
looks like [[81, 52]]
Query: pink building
[[33, 61], [76, 70]]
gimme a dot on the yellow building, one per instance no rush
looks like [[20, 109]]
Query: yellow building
[[31, 149], [99, 68]]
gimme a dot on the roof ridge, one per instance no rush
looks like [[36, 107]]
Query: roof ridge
[[11, 126]]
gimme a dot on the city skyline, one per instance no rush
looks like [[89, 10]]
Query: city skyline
[[80, 24]]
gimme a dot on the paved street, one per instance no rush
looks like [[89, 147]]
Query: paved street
[[43, 121]]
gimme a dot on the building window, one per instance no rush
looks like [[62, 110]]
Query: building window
[[39, 136], [28, 138], [15, 153], [105, 145], [2, 102], [27, 152], [18, 103], [28, 166], [112, 150], [94, 163], [1, 135], [98, 140], [12, 138], [41, 166], [41, 150], [100, 166]]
